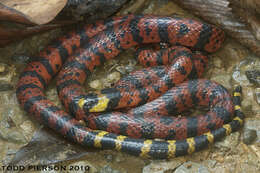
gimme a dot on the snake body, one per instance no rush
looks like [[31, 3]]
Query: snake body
[[85, 49]]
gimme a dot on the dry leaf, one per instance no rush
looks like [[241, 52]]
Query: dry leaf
[[46, 148], [220, 13], [251, 5], [8, 35], [248, 16], [35, 11], [9, 14]]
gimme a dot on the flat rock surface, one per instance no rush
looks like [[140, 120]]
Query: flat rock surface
[[228, 67]]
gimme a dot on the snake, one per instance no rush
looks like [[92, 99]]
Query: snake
[[79, 52]]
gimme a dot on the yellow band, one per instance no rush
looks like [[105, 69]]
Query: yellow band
[[237, 94], [239, 120], [237, 107], [98, 138], [81, 102], [210, 137], [171, 148], [101, 105], [146, 148], [191, 143], [228, 129], [119, 141]]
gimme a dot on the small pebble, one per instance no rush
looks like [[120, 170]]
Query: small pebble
[[246, 72], [249, 136], [240, 78], [132, 62], [253, 76], [6, 75], [231, 141], [113, 77], [108, 169], [111, 64], [121, 69], [2, 68], [131, 65], [21, 59], [28, 129], [129, 68], [190, 167], [96, 84], [257, 94], [161, 166], [119, 158], [253, 124], [5, 86], [109, 157], [217, 62]]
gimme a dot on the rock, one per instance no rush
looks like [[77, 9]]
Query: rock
[[249, 136], [231, 54], [211, 163], [249, 103], [257, 95], [162, 166], [229, 142], [11, 134], [127, 67], [109, 157], [9, 108], [92, 9], [96, 84], [217, 62], [191, 167], [253, 76], [110, 79], [5, 86], [108, 169], [131, 65], [245, 73], [6, 75], [121, 69], [51, 94], [120, 158], [111, 64], [239, 77], [223, 79], [253, 124], [2, 68], [7, 152], [113, 77], [21, 59], [74, 2], [28, 129], [134, 7], [164, 7], [9, 129]]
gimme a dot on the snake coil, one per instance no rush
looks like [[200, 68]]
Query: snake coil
[[83, 50]]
